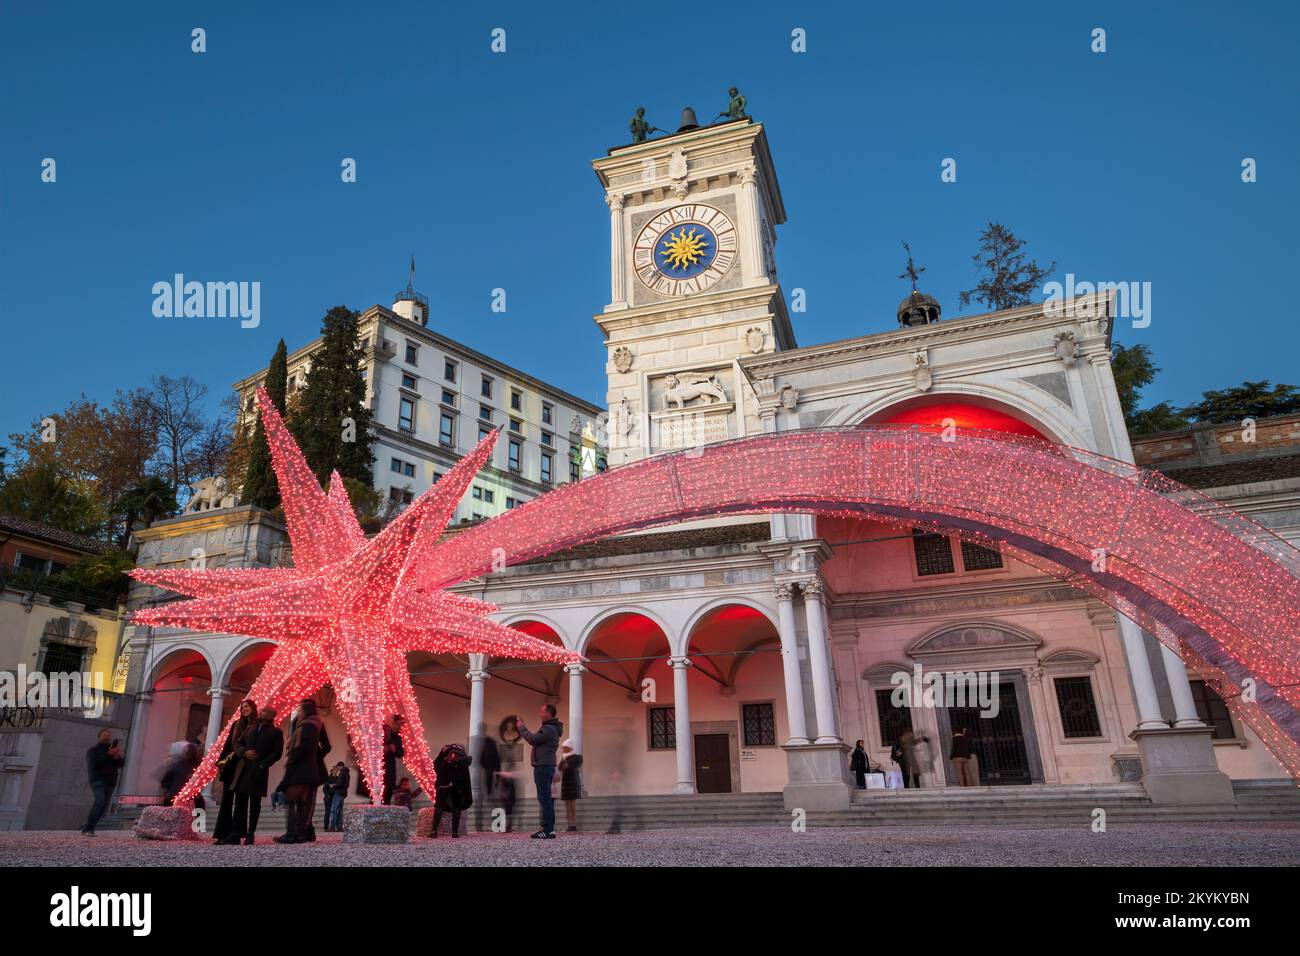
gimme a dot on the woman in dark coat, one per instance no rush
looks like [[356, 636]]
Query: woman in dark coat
[[858, 764], [304, 771], [259, 749], [570, 768], [228, 766], [454, 793]]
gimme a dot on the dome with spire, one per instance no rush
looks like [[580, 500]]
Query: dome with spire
[[918, 309]]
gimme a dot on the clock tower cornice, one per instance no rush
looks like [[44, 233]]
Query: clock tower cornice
[[640, 174]]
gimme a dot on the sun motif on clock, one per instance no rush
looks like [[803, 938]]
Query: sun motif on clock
[[685, 249]]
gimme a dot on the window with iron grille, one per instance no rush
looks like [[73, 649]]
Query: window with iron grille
[[893, 720], [977, 558], [933, 553], [1212, 710], [62, 659], [760, 725], [663, 728], [1078, 707]]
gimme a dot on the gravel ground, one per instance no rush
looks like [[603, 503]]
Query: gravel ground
[[1264, 844]]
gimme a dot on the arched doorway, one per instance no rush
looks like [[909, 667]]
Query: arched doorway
[[630, 718], [737, 700]]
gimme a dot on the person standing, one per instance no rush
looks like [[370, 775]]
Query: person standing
[[454, 795], [303, 771], [570, 768], [103, 761], [336, 792], [906, 758], [181, 763], [393, 750], [960, 755], [228, 766], [544, 741], [858, 764], [258, 750]]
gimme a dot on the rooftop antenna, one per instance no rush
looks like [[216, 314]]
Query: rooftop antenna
[[410, 283], [912, 272]]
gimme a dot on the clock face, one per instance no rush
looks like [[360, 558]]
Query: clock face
[[685, 249]]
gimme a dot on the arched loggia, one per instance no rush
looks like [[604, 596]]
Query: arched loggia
[[1212, 584]]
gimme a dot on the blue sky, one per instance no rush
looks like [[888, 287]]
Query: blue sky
[[224, 166]]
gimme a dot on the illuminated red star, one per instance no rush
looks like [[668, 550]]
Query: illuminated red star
[[332, 614]]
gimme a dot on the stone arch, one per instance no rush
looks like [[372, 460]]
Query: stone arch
[[594, 624], [709, 607], [1056, 426], [232, 661], [522, 616], [1210, 583], [173, 650]]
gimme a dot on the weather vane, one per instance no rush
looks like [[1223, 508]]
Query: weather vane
[[912, 271]]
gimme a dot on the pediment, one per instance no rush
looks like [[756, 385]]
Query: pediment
[[972, 638]]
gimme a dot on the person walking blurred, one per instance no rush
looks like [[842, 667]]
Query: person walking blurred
[[103, 761]]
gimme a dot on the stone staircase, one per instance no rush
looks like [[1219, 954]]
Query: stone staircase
[[1256, 801]]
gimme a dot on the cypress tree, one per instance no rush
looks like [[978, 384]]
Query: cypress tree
[[333, 423], [260, 486]]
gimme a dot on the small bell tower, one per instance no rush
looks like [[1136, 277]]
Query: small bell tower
[[409, 304]]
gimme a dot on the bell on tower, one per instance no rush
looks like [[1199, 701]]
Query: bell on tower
[[918, 309], [409, 304]]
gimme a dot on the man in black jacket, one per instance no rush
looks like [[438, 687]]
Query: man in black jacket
[[393, 749], [545, 741], [103, 761], [258, 750]]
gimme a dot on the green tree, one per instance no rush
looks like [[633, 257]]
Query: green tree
[[260, 487], [333, 423], [1006, 279], [148, 501], [1247, 400], [38, 492], [1158, 418]]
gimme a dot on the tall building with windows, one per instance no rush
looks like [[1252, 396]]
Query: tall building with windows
[[433, 399]]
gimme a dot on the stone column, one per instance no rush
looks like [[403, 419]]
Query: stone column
[[819, 658], [794, 707], [477, 675], [1180, 689], [751, 233], [135, 742], [215, 723], [575, 672], [682, 713], [1139, 672], [617, 276]]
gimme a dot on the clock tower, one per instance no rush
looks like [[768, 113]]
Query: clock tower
[[693, 285]]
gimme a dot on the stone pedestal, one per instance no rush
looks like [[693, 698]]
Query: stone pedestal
[[819, 776], [364, 823], [424, 822], [1178, 766], [166, 823]]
